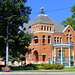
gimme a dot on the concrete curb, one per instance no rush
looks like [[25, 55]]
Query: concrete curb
[[36, 72]]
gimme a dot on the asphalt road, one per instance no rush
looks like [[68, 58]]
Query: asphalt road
[[39, 74]]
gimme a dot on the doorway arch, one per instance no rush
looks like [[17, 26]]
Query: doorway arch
[[35, 55]]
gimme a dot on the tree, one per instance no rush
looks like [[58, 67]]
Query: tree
[[13, 13], [20, 47], [70, 20]]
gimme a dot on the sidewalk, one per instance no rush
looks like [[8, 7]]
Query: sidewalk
[[37, 72]]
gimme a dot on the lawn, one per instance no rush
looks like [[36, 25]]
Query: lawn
[[64, 70]]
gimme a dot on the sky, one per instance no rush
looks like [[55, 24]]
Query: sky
[[50, 6]]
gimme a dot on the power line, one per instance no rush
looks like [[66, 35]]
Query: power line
[[58, 9], [53, 10]]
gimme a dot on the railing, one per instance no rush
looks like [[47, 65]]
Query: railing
[[58, 59], [71, 43]]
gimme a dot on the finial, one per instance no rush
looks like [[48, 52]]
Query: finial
[[42, 8]]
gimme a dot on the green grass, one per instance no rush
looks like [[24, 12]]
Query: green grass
[[64, 70]]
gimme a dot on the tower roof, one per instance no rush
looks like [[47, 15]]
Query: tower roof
[[42, 18]]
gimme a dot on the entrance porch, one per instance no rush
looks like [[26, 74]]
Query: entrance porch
[[63, 54]]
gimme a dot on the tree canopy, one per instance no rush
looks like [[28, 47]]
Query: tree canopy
[[14, 13], [70, 20]]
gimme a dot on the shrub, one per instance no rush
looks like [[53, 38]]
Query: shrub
[[39, 67], [29, 68], [42, 64], [58, 66], [47, 66]]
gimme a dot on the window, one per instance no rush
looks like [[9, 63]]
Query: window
[[70, 39], [67, 39], [44, 39], [30, 55], [67, 35], [38, 28], [58, 40], [49, 41], [36, 39], [54, 39], [61, 40], [33, 29], [70, 35], [60, 54], [24, 29], [48, 28], [44, 27], [29, 27], [68, 31]]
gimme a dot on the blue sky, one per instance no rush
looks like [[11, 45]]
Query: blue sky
[[49, 5]]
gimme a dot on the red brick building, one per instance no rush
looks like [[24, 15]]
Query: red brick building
[[52, 42]]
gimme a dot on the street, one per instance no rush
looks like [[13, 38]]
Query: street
[[38, 73]]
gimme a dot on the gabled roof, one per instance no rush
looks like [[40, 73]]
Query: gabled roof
[[67, 27], [42, 18]]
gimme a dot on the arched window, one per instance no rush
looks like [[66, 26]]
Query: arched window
[[49, 40], [68, 31], [44, 39], [36, 39], [60, 39], [70, 38], [55, 40]]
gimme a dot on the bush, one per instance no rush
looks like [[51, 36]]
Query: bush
[[29, 68], [41, 66], [52, 66], [58, 66], [47, 66]]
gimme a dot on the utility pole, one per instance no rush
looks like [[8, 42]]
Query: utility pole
[[7, 48]]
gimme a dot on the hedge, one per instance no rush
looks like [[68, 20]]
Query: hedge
[[35, 67]]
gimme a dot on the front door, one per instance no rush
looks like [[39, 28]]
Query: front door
[[49, 59]]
